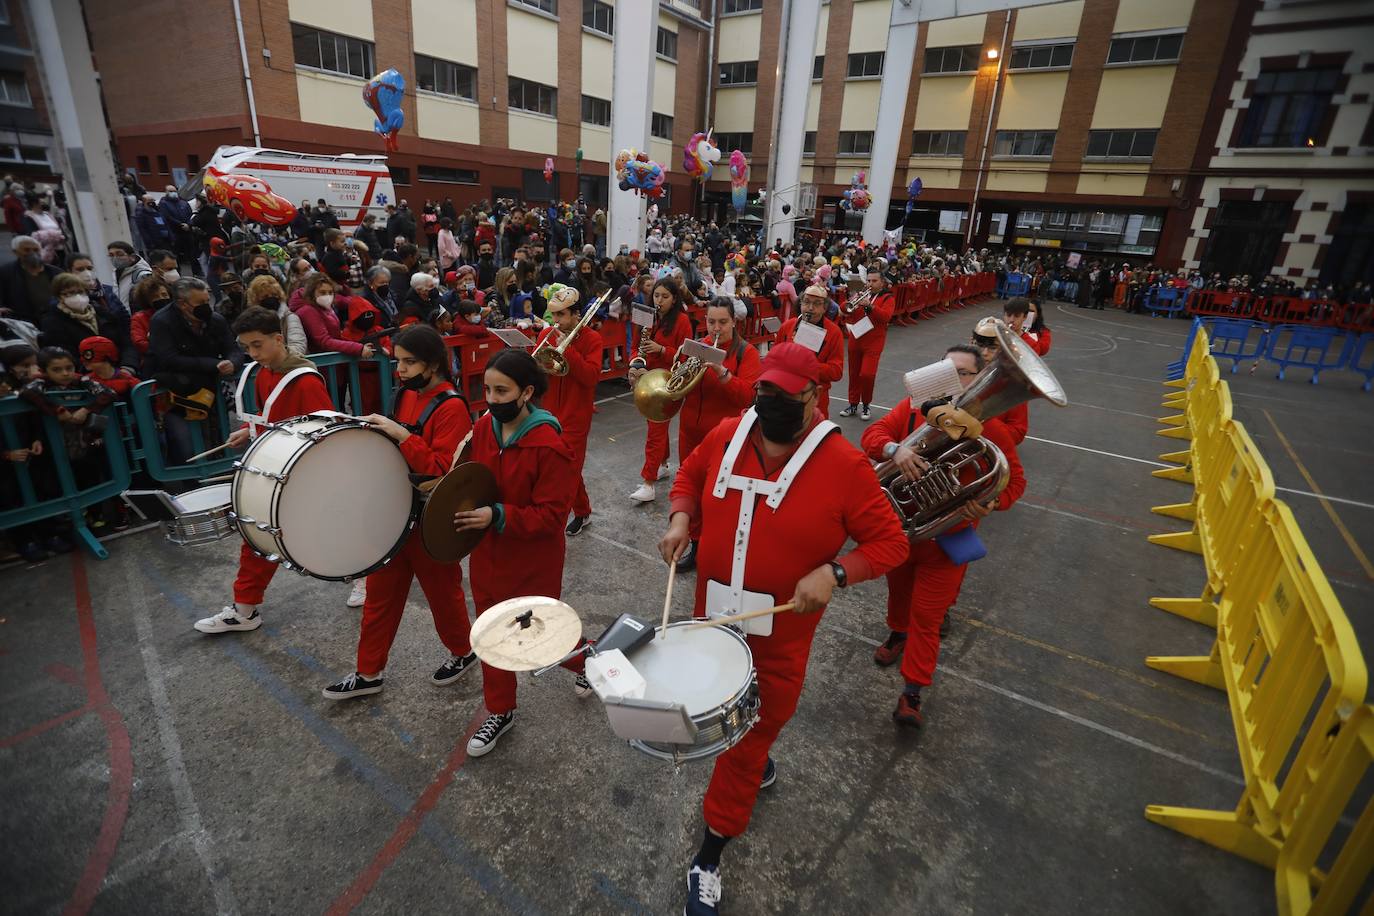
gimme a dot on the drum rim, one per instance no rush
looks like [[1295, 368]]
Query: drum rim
[[736, 701]]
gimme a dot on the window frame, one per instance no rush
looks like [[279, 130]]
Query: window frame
[[1052, 49], [591, 9], [741, 7], [966, 53], [809, 143], [595, 100], [818, 68], [864, 59], [547, 7], [745, 64], [1251, 130], [658, 44], [1141, 39], [656, 118], [730, 140], [513, 82], [1135, 136], [20, 82], [851, 152], [1016, 137], [367, 49], [431, 179], [457, 70], [947, 136]]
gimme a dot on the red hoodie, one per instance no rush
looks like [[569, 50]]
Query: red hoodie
[[570, 397]]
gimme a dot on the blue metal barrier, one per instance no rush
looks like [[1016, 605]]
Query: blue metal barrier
[[1361, 358], [1018, 284], [1307, 347], [1176, 369], [1165, 301], [72, 500], [1231, 339]]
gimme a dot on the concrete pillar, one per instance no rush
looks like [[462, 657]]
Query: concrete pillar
[[632, 101], [796, 56], [81, 136]]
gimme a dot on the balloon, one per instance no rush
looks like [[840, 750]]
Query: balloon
[[548, 170], [734, 261], [383, 94], [699, 156], [913, 191], [739, 181], [786, 209], [636, 172], [856, 196]]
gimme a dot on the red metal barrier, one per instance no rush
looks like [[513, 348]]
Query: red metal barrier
[[1357, 317], [1221, 304], [1292, 310]]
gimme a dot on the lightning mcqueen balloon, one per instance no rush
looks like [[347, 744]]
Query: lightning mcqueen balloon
[[248, 197]]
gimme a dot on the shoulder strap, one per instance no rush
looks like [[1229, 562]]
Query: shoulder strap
[[799, 457], [418, 427], [283, 382]]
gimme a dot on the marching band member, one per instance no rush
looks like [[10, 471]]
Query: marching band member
[[866, 348], [923, 588], [536, 477], [1017, 419], [782, 450], [287, 385], [725, 391], [1024, 318], [671, 328], [570, 396], [814, 302], [429, 421]]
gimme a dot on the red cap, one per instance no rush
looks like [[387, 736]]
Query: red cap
[[791, 367], [451, 277], [93, 349], [217, 246]]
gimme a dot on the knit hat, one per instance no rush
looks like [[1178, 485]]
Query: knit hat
[[96, 349]]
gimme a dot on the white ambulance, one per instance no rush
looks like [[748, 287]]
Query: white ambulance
[[259, 184]]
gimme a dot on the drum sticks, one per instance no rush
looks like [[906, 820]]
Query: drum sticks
[[748, 615], [668, 600], [208, 452]]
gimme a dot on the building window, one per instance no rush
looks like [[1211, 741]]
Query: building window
[[527, 95], [4, 13], [1149, 49], [739, 73], [599, 17], [856, 142], [1024, 143], [1042, 57], [544, 6], [14, 90], [162, 168], [335, 53], [809, 143], [1245, 237], [938, 142], [399, 174], [1057, 219], [1107, 223], [596, 111], [667, 44], [145, 165], [1121, 144], [192, 163], [818, 68], [445, 78], [740, 6], [867, 64], [446, 175], [1287, 107], [959, 59], [1350, 256], [661, 126], [744, 142], [27, 155], [1030, 219]]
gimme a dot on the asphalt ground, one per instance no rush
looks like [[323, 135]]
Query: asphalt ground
[[146, 768]]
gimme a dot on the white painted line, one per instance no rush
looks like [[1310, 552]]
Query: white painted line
[[627, 548], [1067, 514], [187, 809], [614, 397]]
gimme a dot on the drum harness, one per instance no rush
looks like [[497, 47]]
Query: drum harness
[[255, 421]]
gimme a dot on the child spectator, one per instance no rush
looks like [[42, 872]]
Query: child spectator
[[18, 367], [99, 355]]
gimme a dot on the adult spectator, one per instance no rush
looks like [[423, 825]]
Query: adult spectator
[[111, 312], [266, 292], [334, 260], [26, 282], [300, 223], [313, 304], [378, 292], [14, 207], [400, 223], [367, 234], [407, 256], [448, 251], [43, 226], [150, 296], [164, 264], [685, 261], [177, 215], [71, 318], [152, 226]]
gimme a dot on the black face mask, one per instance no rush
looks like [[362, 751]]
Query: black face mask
[[415, 382], [270, 302], [506, 411], [780, 417], [203, 313], [261, 272]]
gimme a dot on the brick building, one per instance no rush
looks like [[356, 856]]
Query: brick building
[[26, 140]]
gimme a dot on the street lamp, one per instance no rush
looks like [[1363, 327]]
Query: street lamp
[[992, 54]]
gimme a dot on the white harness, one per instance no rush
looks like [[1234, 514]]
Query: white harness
[[723, 600], [254, 420]]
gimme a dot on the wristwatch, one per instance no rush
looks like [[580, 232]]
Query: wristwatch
[[841, 578], [890, 449]]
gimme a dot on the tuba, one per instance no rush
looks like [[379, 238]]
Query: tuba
[[659, 393], [551, 358], [930, 505]]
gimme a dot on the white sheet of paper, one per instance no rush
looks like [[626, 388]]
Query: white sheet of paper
[[771, 325], [512, 337], [861, 327], [642, 316], [701, 351], [810, 336]]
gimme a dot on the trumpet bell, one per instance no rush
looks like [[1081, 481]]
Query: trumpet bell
[[552, 361], [652, 398]]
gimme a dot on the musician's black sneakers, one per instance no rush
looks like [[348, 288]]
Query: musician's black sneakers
[[703, 890], [577, 524], [484, 740], [355, 685], [229, 620], [688, 561], [454, 668], [770, 774], [850, 411], [864, 414]]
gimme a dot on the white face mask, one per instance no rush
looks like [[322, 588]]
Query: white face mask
[[77, 301], [325, 300], [171, 276], [87, 277], [475, 319]]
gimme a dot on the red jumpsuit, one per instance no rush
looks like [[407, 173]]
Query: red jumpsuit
[[363, 319], [429, 452], [570, 398], [304, 394], [1039, 341], [834, 497], [831, 356], [923, 588], [865, 351], [670, 337], [714, 400], [522, 553]]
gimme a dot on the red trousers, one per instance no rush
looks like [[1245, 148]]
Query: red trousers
[[863, 368], [254, 574], [919, 592], [387, 589], [655, 450], [734, 786], [577, 441], [688, 438]]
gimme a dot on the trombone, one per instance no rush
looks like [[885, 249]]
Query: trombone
[[551, 358]]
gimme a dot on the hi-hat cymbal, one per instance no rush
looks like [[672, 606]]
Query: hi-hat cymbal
[[468, 486], [521, 634]]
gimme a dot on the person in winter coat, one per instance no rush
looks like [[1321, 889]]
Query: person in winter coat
[[152, 226], [72, 318], [266, 292], [314, 304], [177, 214], [130, 269]]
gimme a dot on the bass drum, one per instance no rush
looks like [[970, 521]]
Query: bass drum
[[326, 495]]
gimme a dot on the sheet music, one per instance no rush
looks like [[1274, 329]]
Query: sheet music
[[642, 316], [861, 327], [512, 337], [701, 351], [771, 325], [810, 336]]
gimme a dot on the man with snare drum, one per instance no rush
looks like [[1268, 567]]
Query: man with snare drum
[[773, 520]]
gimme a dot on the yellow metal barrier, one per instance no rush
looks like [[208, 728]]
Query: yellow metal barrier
[[1339, 881], [1292, 670], [1208, 410]]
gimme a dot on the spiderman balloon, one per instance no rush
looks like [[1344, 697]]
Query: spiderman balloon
[[383, 94]]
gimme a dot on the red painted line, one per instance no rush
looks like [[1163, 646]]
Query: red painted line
[[41, 727], [120, 752], [408, 827]]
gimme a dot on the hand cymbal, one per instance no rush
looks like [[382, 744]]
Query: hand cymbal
[[468, 486], [521, 634]]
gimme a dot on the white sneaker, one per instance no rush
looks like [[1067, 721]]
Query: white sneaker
[[358, 597], [645, 493], [228, 620], [663, 472]]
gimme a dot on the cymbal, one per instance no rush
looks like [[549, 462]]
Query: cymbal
[[521, 634], [468, 486]]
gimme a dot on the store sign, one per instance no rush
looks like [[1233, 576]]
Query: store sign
[[1038, 243]]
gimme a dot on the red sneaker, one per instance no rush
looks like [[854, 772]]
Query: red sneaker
[[908, 711], [891, 650]]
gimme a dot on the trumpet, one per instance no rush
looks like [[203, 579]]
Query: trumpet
[[551, 358], [853, 305], [659, 393]]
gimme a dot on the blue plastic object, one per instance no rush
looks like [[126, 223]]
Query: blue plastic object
[[1306, 347]]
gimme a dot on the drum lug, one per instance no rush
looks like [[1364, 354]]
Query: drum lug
[[266, 528]]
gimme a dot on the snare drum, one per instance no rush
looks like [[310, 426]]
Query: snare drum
[[204, 516], [324, 494], [710, 672]]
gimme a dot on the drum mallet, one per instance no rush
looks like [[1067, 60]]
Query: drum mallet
[[208, 452], [668, 599], [747, 615]]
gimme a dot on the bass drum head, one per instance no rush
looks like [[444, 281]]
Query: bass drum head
[[347, 504], [703, 670]]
